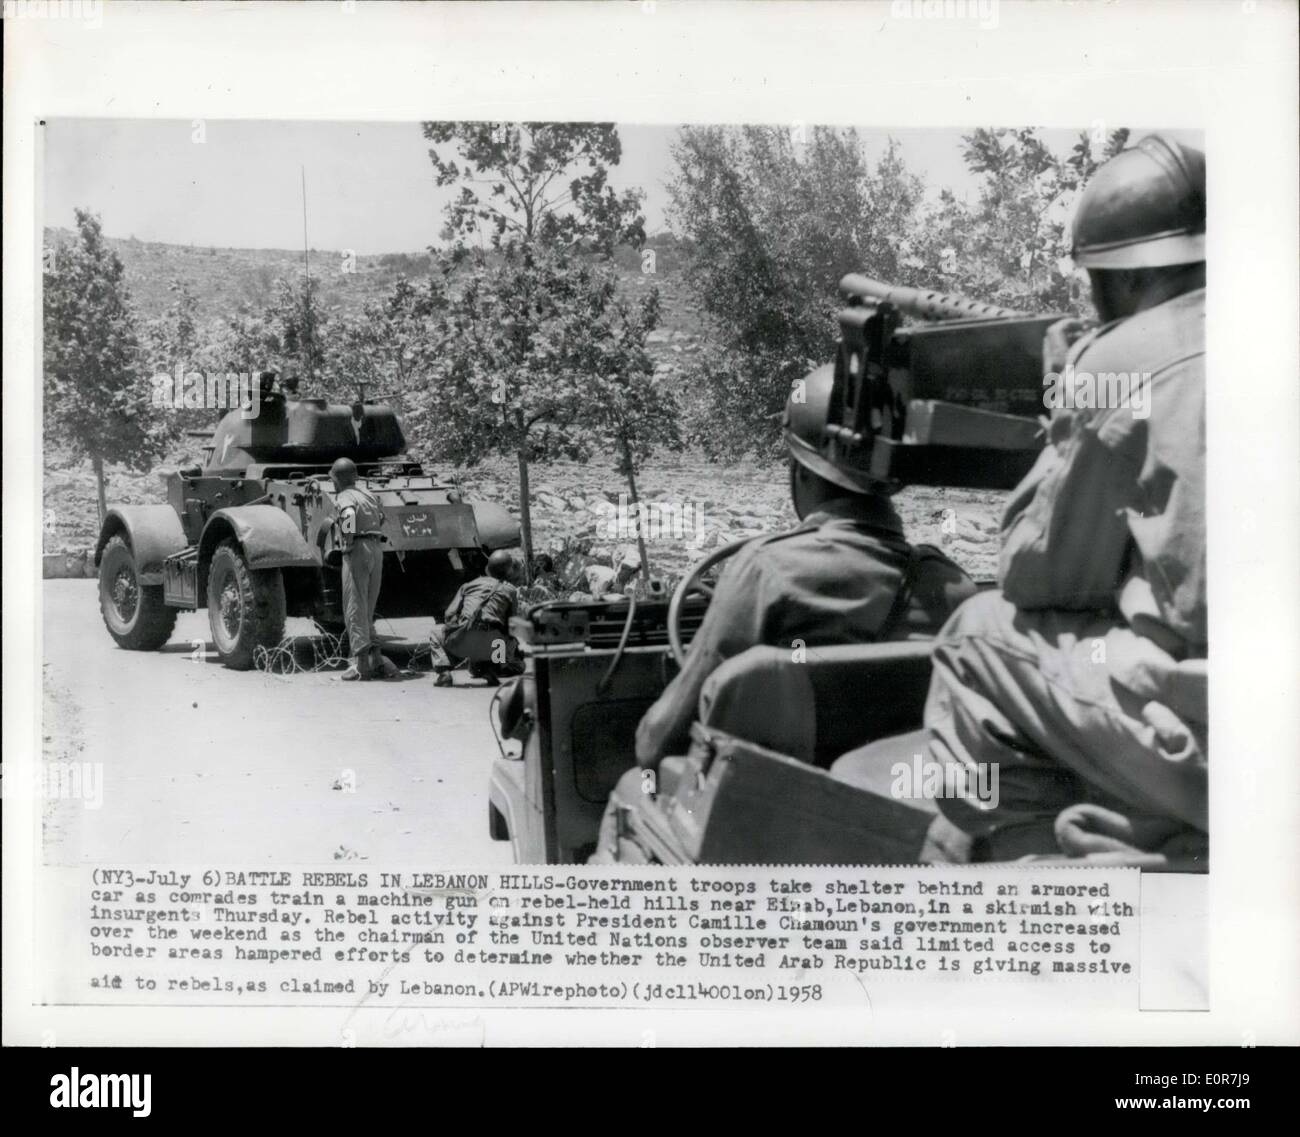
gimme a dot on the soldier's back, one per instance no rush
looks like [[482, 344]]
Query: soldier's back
[[835, 578]]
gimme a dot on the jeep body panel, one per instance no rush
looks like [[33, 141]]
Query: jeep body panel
[[582, 705]]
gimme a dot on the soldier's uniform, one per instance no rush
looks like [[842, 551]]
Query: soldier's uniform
[[477, 629], [1084, 679], [832, 580], [359, 529], [1079, 689], [845, 575]]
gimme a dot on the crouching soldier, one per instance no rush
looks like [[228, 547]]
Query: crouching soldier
[[477, 627], [845, 575], [358, 536]]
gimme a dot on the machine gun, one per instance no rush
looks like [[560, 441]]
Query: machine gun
[[953, 401]]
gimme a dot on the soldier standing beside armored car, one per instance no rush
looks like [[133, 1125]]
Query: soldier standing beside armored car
[[359, 536]]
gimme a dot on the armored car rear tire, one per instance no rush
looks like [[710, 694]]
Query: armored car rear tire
[[246, 608], [134, 613]]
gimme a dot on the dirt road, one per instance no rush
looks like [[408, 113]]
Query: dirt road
[[202, 765]]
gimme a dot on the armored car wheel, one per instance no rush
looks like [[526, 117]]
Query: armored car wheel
[[134, 613], [246, 608]]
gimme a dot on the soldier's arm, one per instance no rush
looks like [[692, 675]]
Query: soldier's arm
[[1067, 547], [1167, 515], [454, 608], [732, 624], [1061, 344]]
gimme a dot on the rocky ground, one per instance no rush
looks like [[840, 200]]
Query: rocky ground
[[572, 509]]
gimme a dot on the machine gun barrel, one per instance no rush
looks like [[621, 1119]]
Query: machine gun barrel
[[925, 304]]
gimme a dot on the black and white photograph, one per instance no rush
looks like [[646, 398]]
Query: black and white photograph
[[876, 456], [509, 553]]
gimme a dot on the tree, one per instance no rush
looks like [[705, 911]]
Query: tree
[[290, 328], [174, 344], [773, 222], [527, 183], [298, 327], [540, 357], [1010, 247], [538, 196], [96, 397], [388, 347], [635, 407]]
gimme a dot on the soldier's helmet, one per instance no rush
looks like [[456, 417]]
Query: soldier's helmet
[[1145, 208], [804, 424], [500, 565], [344, 472]]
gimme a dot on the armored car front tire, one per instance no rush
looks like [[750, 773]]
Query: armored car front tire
[[134, 613], [246, 608]]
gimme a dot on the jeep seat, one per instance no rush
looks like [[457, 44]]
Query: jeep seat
[[819, 703]]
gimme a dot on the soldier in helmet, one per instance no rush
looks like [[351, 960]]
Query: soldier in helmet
[[1082, 681], [845, 575], [358, 534], [477, 626]]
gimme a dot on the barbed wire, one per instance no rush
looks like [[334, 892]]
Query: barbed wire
[[324, 651]]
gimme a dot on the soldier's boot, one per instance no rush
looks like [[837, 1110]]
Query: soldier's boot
[[382, 666], [442, 679], [486, 671], [360, 669]]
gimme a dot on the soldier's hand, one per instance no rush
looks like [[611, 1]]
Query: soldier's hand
[[1058, 341]]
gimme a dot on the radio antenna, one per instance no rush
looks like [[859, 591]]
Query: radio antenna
[[306, 292], [306, 254]]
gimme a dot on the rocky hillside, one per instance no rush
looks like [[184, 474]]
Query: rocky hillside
[[568, 498], [223, 279], [741, 500], [570, 510]]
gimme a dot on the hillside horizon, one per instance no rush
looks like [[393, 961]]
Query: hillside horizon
[[224, 278]]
